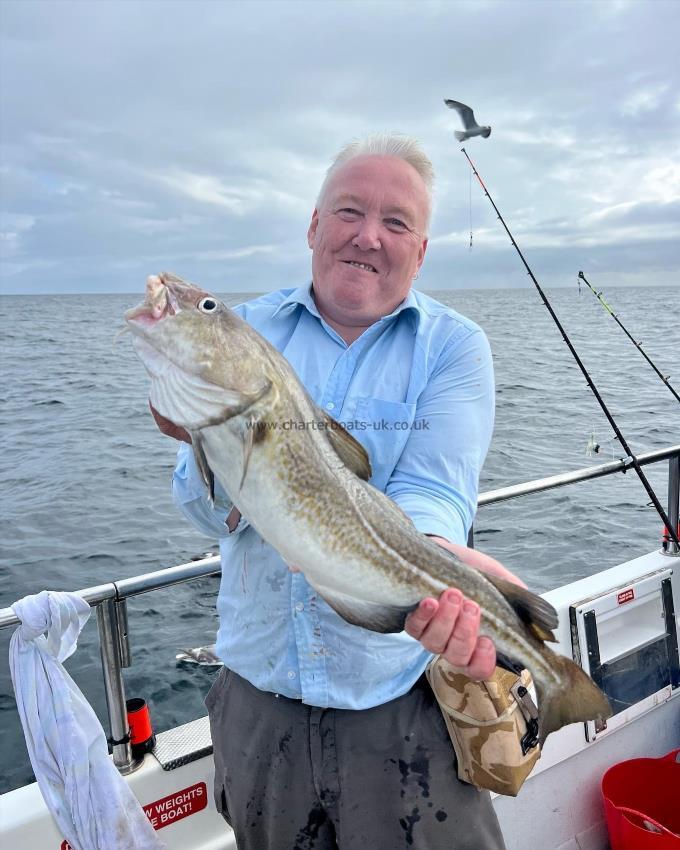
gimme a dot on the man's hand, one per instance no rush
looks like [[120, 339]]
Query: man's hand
[[449, 626], [169, 428]]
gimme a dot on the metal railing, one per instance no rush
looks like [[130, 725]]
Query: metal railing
[[110, 599]]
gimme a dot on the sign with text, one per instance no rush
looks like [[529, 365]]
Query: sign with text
[[176, 806], [172, 808]]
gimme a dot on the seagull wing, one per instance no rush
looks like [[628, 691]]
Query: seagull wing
[[466, 114]]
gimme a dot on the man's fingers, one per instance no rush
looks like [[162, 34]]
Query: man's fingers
[[463, 639], [483, 660], [417, 621], [437, 633], [449, 627]]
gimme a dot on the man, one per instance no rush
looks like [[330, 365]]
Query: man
[[327, 735]]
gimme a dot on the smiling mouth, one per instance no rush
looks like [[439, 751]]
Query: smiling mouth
[[367, 267]]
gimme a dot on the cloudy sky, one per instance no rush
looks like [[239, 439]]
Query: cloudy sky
[[140, 136]]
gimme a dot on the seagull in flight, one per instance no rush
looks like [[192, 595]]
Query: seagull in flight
[[472, 128]]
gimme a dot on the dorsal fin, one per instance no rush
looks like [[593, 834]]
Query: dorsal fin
[[537, 614], [349, 450]]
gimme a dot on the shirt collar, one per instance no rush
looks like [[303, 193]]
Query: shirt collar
[[303, 296]]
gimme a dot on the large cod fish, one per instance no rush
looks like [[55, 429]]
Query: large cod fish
[[305, 490]]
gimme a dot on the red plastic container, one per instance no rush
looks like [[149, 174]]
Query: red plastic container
[[642, 803]]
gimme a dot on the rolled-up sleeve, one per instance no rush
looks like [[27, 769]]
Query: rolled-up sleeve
[[436, 479], [191, 496]]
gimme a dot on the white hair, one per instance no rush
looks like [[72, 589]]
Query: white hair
[[385, 144]]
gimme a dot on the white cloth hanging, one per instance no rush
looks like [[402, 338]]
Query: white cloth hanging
[[90, 801]]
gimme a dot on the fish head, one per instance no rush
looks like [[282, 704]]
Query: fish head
[[198, 352]]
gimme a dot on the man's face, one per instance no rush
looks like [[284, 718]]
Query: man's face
[[368, 239]]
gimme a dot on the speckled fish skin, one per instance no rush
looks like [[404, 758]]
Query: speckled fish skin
[[214, 375]]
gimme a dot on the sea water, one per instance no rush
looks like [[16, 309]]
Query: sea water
[[85, 478]]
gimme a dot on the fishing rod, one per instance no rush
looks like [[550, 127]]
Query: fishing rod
[[634, 461], [637, 344]]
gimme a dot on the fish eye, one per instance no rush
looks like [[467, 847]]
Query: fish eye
[[207, 305]]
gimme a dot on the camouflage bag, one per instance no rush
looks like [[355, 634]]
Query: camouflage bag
[[492, 724]]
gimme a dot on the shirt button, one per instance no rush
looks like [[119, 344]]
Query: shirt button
[[330, 406], [291, 675], [299, 606]]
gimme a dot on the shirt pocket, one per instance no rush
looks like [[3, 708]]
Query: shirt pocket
[[383, 427]]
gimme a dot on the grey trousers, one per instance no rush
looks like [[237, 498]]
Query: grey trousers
[[289, 776]]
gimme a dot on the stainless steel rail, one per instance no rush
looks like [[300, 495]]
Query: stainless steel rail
[[109, 599], [135, 586], [584, 474]]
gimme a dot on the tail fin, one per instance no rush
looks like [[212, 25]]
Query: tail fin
[[577, 699], [460, 135]]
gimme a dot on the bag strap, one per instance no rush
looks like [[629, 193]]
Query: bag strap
[[507, 663]]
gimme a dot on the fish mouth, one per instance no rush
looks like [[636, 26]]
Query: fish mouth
[[358, 264], [158, 304]]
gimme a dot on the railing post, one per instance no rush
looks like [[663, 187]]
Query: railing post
[[670, 546], [109, 630]]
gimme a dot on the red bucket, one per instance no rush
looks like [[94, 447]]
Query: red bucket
[[642, 803]]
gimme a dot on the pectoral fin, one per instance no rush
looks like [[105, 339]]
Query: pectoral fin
[[248, 439]]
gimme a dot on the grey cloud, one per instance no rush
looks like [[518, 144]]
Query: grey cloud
[[199, 132]]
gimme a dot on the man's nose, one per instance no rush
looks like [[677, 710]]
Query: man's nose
[[368, 235]]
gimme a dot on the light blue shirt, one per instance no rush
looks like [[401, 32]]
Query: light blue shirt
[[416, 389]]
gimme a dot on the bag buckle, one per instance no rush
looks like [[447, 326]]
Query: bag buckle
[[530, 738], [530, 713]]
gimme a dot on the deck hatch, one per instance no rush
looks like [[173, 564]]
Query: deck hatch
[[626, 639]]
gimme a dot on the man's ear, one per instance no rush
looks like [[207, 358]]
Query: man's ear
[[313, 224], [421, 253]]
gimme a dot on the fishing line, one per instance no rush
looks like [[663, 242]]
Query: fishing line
[[634, 461], [470, 211], [594, 447], [638, 345]]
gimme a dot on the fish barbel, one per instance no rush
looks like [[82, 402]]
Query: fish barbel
[[305, 490]]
